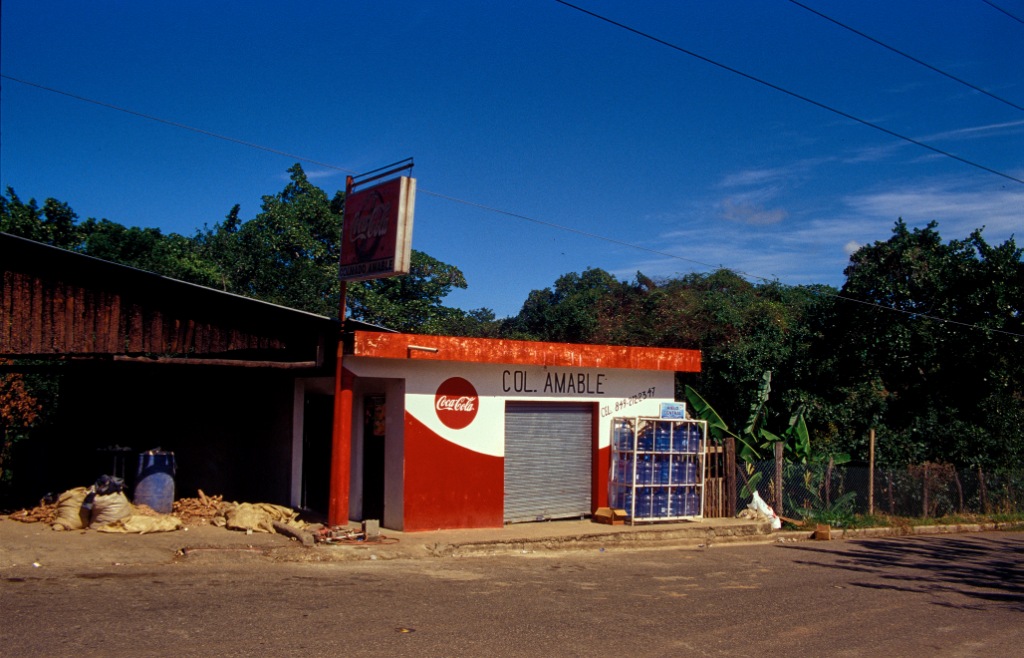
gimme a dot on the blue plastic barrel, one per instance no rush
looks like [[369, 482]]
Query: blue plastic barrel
[[154, 485]]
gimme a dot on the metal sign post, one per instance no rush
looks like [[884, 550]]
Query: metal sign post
[[376, 242]]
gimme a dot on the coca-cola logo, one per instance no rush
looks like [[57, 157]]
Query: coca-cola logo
[[456, 403], [369, 224]]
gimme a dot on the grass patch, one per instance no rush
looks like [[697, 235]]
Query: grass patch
[[857, 521]]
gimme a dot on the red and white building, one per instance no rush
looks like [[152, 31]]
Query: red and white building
[[440, 432]]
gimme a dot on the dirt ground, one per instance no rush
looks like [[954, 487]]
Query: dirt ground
[[37, 546]]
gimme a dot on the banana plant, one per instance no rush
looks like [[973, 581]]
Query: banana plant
[[757, 441], [720, 430]]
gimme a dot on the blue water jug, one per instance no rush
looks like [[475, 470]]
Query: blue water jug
[[624, 470], [663, 437], [623, 436], [689, 473], [660, 503], [154, 486], [694, 438], [643, 503], [662, 470], [677, 503], [645, 440], [644, 470], [691, 503]]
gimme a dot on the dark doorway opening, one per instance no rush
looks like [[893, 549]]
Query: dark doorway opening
[[317, 433], [373, 457]]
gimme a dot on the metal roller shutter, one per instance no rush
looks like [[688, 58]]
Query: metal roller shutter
[[548, 448]]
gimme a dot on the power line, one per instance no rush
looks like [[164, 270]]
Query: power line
[[910, 57], [793, 94], [997, 7], [480, 206], [577, 231], [175, 124], [839, 296]]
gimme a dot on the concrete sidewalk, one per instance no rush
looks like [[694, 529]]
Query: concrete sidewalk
[[546, 536], [23, 545]]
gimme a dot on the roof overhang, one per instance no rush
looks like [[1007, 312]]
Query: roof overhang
[[519, 352]]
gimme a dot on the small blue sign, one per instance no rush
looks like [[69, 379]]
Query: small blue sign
[[673, 410]]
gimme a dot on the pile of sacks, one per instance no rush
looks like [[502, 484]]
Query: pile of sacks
[[258, 517], [106, 508]]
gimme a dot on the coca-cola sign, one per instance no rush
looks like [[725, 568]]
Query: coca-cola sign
[[376, 238], [456, 403]]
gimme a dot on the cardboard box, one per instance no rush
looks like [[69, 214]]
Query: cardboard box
[[609, 516]]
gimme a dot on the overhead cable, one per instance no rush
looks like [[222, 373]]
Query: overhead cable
[[174, 124], [910, 57], [794, 94], [997, 7], [491, 209]]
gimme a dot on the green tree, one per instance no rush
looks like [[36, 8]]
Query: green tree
[[571, 311], [287, 254], [147, 249], [53, 224], [410, 303], [935, 334]]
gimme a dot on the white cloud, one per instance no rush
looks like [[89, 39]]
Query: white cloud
[[988, 130], [745, 212], [814, 243], [958, 212], [752, 177]]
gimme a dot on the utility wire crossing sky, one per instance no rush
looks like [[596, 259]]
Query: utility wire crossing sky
[[648, 138]]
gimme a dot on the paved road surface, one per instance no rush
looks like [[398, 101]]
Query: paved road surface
[[960, 595]]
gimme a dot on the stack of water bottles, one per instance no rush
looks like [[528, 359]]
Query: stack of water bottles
[[656, 467]]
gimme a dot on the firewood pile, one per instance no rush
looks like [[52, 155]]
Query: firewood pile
[[44, 512], [197, 511]]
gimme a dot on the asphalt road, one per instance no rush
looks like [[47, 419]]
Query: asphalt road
[[960, 595]]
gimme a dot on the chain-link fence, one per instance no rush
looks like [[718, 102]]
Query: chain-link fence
[[835, 494]]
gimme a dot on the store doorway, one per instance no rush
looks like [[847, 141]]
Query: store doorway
[[374, 431], [317, 436]]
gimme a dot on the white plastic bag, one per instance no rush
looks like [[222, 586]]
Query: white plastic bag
[[758, 504]]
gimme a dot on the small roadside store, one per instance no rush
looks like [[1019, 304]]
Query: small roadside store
[[443, 432]]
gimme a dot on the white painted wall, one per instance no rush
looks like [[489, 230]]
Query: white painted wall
[[618, 393]]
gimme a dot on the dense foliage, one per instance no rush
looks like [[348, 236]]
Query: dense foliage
[[287, 254], [924, 342]]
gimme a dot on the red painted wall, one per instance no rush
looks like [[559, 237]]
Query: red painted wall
[[601, 462], [447, 486]]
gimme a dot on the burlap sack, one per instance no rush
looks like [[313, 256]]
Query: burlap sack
[[70, 515], [142, 524], [109, 508], [258, 517]]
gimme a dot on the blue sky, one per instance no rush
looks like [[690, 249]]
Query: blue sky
[[537, 110]]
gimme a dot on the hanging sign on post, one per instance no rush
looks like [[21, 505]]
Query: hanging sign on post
[[376, 239]]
